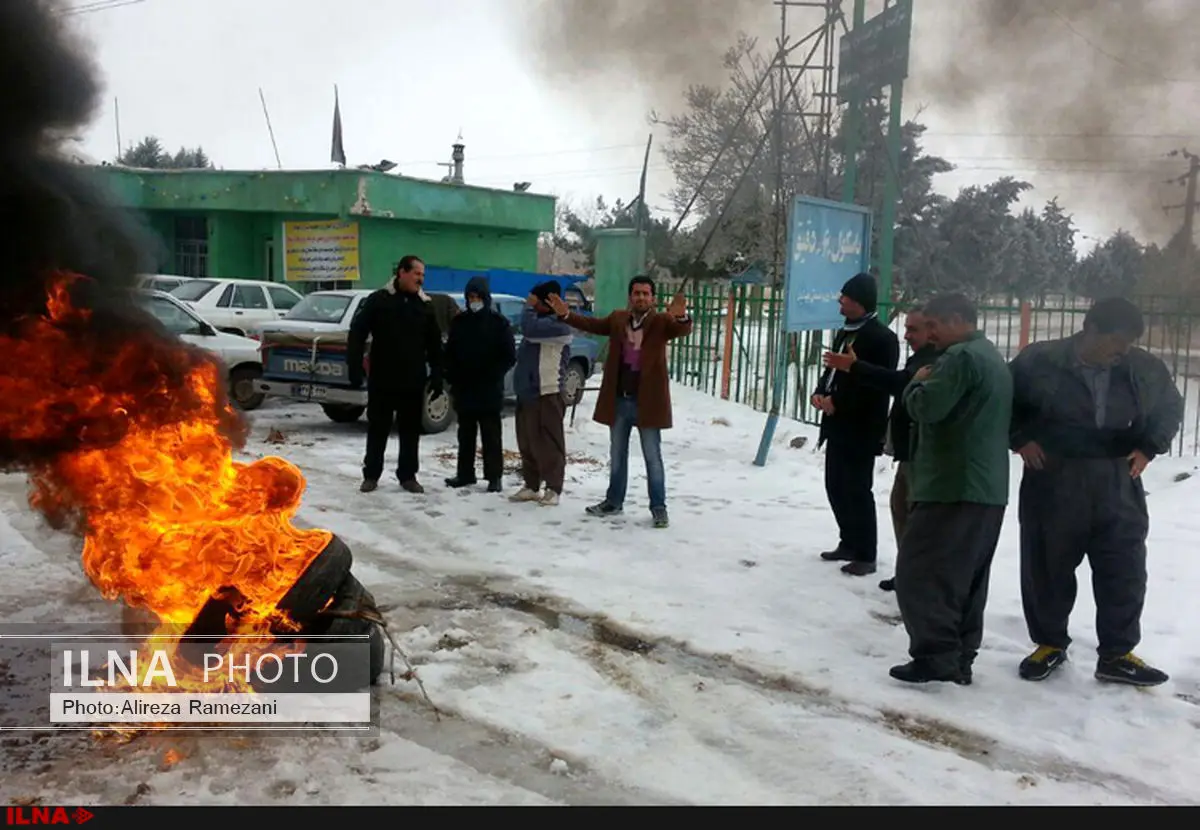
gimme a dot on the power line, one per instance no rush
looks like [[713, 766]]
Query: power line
[[98, 6], [1112, 57]]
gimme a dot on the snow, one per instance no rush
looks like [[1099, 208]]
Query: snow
[[579, 660]]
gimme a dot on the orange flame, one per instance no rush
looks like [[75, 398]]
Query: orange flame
[[168, 517]]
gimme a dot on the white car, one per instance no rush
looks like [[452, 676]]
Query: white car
[[161, 282], [240, 355], [239, 307]]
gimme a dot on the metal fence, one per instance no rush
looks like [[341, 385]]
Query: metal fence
[[733, 352]]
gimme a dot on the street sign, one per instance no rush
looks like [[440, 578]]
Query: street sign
[[828, 243], [875, 54]]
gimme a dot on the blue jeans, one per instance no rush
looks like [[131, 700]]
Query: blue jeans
[[618, 477]]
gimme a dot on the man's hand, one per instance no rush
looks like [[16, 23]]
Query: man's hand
[[558, 305], [841, 361], [1138, 462], [1033, 455], [923, 374], [678, 306], [823, 403], [531, 301]]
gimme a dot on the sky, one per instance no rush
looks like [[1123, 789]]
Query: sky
[[412, 75]]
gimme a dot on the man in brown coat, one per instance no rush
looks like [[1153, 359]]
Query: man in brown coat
[[635, 390]]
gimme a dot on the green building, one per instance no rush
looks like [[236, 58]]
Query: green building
[[321, 229]]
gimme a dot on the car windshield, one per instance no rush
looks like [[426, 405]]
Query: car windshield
[[320, 308], [190, 292]]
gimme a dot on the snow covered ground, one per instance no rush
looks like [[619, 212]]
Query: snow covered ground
[[586, 661]]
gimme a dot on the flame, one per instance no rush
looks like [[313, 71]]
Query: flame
[[148, 477]]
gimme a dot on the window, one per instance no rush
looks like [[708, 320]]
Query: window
[[320, 308], [195, 290], [174, 319], [191, 246], [226, 297], [283, 298], [249, 296]]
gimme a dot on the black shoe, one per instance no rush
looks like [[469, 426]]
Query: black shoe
[[604, 510], [457, 483], [888, 585], [412, 486], [1129, 670], [496, 486], [916, 672], [859, 569], [966, 675], [1042, 663], [661, 520], [838, 555], [368, 486]]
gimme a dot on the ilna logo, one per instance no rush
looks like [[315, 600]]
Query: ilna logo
[[46, 815]]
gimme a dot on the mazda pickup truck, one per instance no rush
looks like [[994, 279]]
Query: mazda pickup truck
[[304, 357]]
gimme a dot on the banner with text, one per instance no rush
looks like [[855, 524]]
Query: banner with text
[[828, 243], [325, 251]]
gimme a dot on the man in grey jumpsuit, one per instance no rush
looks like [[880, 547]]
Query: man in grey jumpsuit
[[1089, 414]]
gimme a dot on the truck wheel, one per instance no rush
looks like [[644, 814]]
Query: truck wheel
[[242, 381], [342, 413], [437, 415], [574, 380]]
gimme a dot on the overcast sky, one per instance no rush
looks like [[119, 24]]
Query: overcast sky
[[412, 73]]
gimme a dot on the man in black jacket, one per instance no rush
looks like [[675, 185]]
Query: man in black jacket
[[1089, 414], [406, 354], [479, 352], [902, 437], [853, 424]]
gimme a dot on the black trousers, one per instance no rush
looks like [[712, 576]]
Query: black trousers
[[485, 426], [401, 408], [942, 573], [1075, 508], [849, 477]]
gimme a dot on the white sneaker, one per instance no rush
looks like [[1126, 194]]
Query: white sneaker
[[549, 499], [524, 495]]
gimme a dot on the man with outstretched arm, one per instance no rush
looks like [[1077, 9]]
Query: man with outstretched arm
[[900, 426], [959, 490], [636, 390], [1090, 413]]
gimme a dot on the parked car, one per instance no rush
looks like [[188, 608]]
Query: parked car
[[239, 306], [161, 282], [240, 355], [304, 358]]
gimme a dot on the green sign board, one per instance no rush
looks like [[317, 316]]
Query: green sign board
[[875, 54]]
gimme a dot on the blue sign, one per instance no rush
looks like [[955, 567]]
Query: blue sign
[[828, 243]]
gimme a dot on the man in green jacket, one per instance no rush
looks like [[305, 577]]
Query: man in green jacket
[[961, 407]]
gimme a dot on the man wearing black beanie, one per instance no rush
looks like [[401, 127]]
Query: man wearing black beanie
[[853, 425]]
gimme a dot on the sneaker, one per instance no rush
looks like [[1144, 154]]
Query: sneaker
[[604, 510], [916, 672], [368, 486], [412, 486], [524, 495], [859, 568], [660, 518], [1130, 670], [495, 486], [888, 585], [458, 483], [548, 499], [1042, 663], [838, 554]]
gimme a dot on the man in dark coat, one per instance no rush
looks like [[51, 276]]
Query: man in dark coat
[[479, 352], [405, 357], [900, 426], [853, 424], [961, 406], [1090, 413]]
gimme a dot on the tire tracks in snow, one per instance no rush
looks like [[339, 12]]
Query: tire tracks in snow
[[466, 586]]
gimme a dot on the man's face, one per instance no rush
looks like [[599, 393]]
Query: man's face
[[641, 299], [916, 330], [410, 282], [1104, 349], [850, 309], [945, 333]]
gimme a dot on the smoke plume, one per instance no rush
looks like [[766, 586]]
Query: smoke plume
[[1079, 85], [64, 340]]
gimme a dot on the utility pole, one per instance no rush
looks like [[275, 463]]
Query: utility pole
[[1191, 177]]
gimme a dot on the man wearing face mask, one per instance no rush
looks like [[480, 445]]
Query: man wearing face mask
[[1090, 413], [479, 352]]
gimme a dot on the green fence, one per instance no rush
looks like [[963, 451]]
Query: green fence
[[742, 323]]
